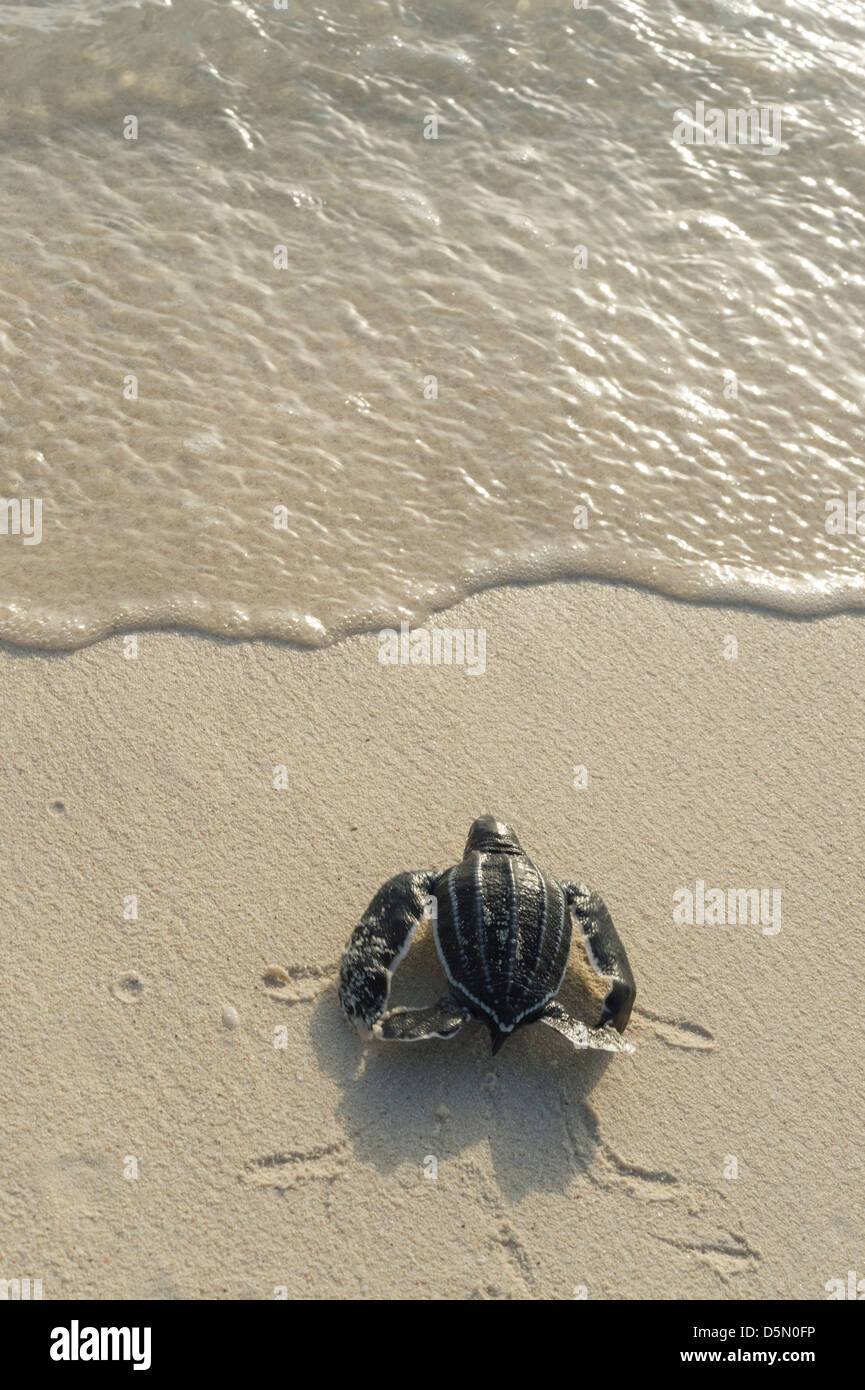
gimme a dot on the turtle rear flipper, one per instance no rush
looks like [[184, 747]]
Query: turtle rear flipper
[[413, 1025], [580, 1034]]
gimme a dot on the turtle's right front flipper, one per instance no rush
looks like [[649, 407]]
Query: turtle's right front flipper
[[378, 944]]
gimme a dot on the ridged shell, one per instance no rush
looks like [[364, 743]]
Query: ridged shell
[[504, 934]]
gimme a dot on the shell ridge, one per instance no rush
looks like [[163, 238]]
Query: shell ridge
[[564, 918], [512, 952], [545, 912], [482, 918], [456, 919]]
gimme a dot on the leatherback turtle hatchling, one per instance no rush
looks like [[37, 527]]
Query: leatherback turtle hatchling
[[503, 935]]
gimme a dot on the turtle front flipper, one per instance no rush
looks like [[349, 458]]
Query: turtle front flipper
[[580, 1034], [378, 944], [607, 956], [413, 1025]]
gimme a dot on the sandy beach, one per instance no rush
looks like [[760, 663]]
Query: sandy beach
[[187, 1113]]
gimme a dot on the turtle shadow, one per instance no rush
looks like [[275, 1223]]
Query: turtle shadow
[[432, 1102]]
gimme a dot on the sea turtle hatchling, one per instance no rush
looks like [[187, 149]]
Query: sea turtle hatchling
[[503, 935]]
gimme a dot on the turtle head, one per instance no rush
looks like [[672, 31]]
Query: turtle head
[[491, 836]]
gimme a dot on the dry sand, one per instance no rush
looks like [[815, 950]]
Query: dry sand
[[148, 1044]]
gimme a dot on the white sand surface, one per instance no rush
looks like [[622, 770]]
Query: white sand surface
[[302, 1167]]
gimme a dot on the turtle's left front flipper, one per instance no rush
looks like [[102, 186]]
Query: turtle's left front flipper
[[607, 956], [378, 944], [580, 1034]]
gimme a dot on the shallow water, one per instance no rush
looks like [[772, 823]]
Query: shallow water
[[693, 377]]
